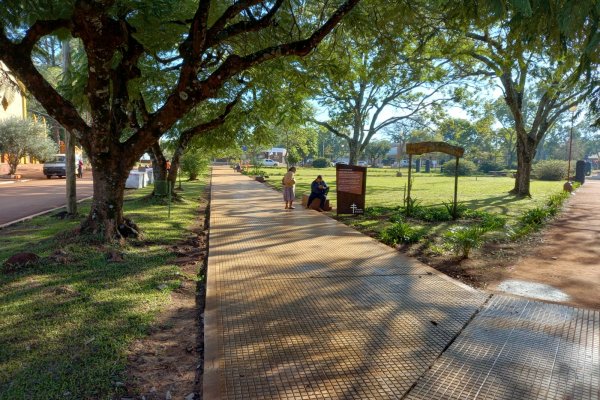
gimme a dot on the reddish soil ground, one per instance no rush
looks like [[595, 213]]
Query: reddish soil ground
[[567, 255], [167, 364]]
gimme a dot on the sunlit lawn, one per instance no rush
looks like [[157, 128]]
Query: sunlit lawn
[[65, 328], [385, 189]]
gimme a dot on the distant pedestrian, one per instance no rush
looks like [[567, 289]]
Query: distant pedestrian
[[289, 184], [80, 168], [168, 165]]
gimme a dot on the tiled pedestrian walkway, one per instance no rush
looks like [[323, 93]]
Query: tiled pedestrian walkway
[[300, 306]]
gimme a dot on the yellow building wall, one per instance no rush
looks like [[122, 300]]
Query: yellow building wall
[[16, 108]]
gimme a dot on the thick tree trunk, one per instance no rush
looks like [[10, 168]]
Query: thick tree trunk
[[106, 214], [13, 163], [175, 162], [354, 149], [525, 155], [159, 162]]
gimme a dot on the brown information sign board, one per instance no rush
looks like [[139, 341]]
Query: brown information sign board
[[351, 185]]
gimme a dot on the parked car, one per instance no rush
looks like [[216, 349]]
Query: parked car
[[363, 164], [267, 162], [57, 166]]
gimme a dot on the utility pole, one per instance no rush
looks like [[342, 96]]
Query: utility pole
[[69, 140]]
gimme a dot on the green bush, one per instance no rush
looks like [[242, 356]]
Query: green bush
[[463, 239], [412, 207], [401, 232], [556, 201], [320, 163], [487, 166], [535, 217], [550, 170], [378, 211], [193, 163], [397, 217], [487, 220], [465, 167], [433, 214], [461, 209]]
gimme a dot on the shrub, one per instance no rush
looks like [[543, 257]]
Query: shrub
[[401, 232], [461, 209], [376, 211], [487, 166], [194, 163], [463, 239], [556, 201], [19, 137], [465, 167], [256, 171], [397, 217], [550, 170], [534, 217], [433, 214], [320, 163], [412, 207]]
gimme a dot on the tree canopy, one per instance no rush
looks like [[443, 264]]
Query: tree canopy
[[191, 50]]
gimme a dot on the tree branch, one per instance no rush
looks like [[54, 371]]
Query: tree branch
[[218, 36], [329, 127], [18, 59], [486, 39], [190, 92], [40, 29], [214, 123]]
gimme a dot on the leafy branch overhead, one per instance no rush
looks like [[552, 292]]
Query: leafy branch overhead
[[115, 33], [146, 65]]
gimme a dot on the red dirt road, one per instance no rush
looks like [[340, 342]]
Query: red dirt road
[[568, 258], [22, 199]]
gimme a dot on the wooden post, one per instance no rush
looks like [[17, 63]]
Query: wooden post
[[409, 181], [455, 188]]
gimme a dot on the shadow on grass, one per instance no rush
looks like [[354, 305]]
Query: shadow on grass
[[65, 325]]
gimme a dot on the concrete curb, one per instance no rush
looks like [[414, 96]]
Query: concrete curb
[[40, 213]]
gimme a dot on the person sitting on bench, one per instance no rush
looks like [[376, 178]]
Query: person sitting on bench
[[318, 190]]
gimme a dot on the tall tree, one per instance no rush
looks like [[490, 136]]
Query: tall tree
[[204, 44], [377, 150], [19, 137], [538, 51], [377, 72]]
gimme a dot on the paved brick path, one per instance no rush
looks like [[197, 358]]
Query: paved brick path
[[300, 306]]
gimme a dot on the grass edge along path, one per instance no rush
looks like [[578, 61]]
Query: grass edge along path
[[66, 322], [488, 211]]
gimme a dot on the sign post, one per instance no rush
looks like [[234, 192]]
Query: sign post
[[351, 185]]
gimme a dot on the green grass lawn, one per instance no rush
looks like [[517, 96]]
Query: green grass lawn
[[384, 189], [65, 328]]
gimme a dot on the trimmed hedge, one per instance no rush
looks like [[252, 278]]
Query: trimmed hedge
[[320, 163], [551, 170], [487, 166], [465, 167]]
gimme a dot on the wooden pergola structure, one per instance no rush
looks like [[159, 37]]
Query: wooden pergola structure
[[434, 147]]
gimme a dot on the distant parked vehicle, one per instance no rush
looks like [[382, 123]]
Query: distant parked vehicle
[[267, 162], [57, 166], [341, 163], [363, 164]]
